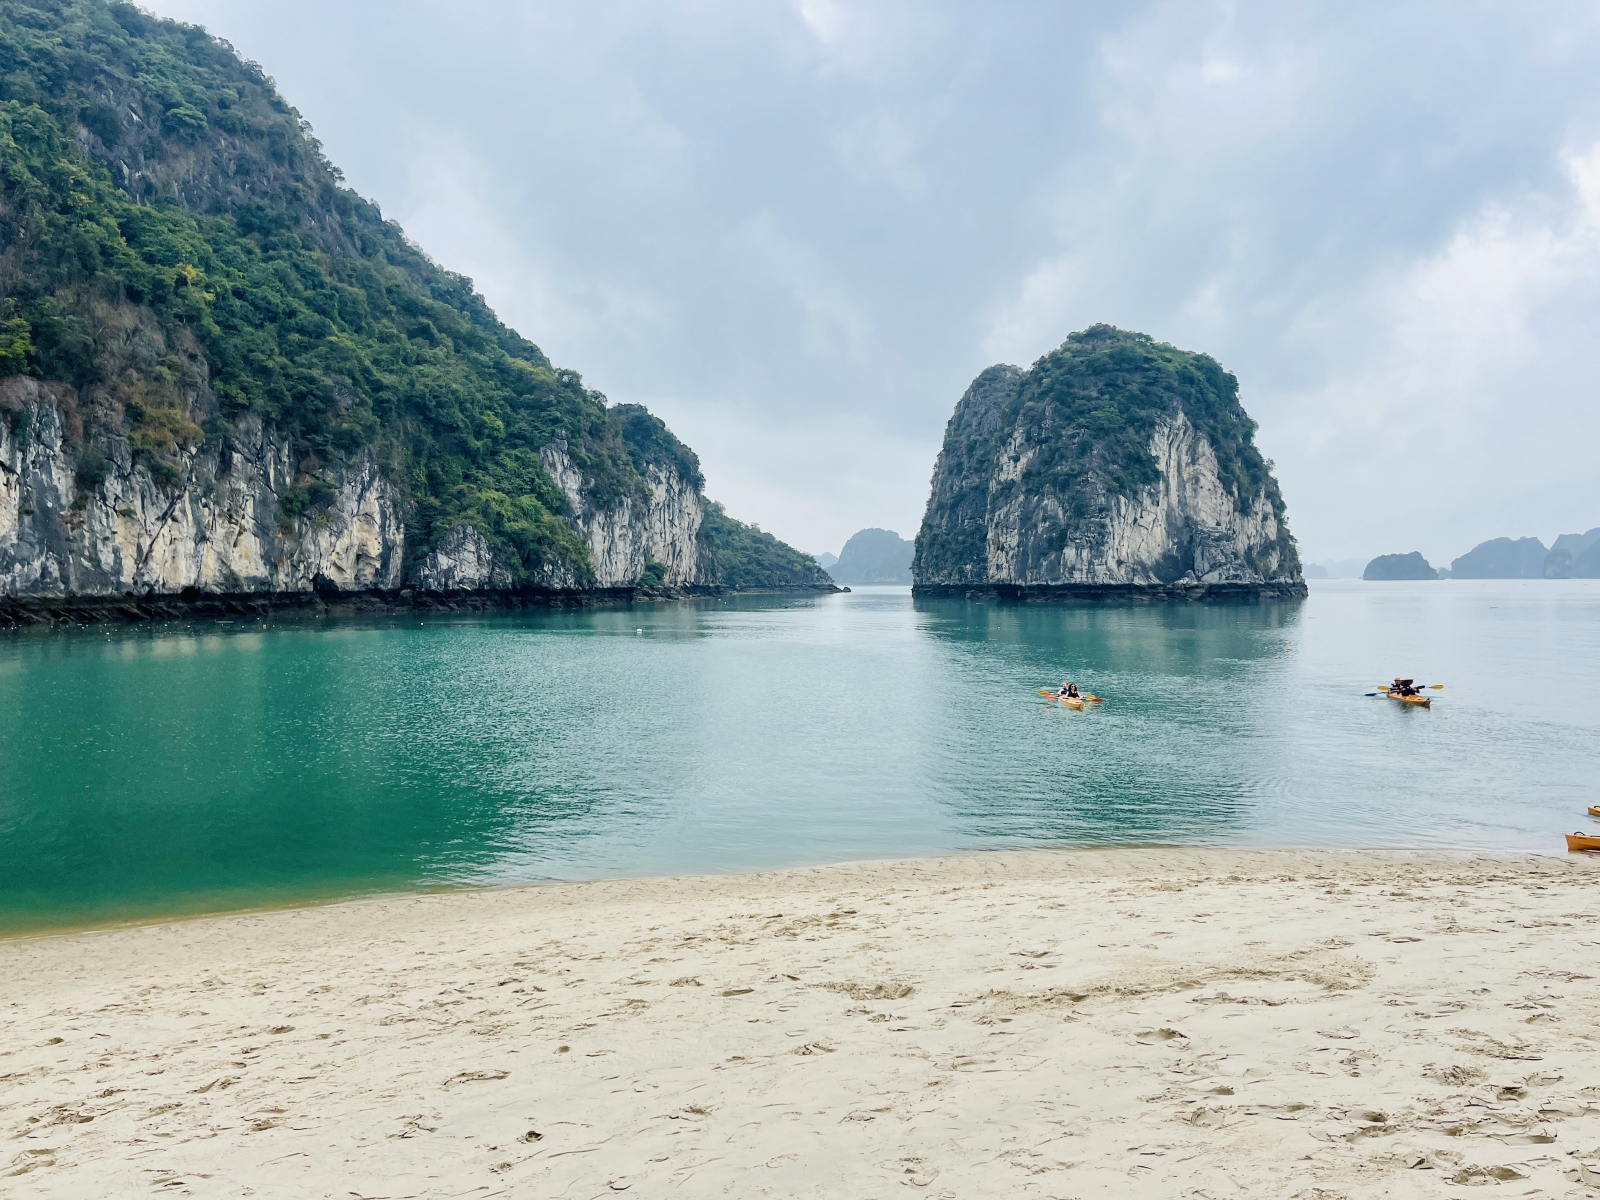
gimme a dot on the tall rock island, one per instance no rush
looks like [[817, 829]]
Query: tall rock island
[[227, 382], [1117, 466]]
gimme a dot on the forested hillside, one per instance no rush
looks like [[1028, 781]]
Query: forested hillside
[[176, 250]]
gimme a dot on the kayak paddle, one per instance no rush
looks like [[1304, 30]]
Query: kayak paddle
[[1054, 695]]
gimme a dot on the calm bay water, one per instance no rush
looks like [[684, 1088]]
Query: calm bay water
[[154, 771]]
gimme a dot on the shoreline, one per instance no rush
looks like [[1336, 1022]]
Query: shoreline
[[330, 899], [1022, 1022], [22, 612]]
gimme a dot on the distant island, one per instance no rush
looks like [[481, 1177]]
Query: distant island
[[1400, 566], [1116, 466], [1573, 556], [228, 382], [1502, 558], [873, 556]]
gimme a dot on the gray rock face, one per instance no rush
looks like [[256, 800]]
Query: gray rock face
[[220, 527], [1188, 529], [1030, 497], [663, 529], [463, 561], [955, 529]]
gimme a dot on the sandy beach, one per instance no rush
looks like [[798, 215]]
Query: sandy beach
[[1057, 1024]]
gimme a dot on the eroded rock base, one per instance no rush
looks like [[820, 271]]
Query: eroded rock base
[[19, 612], [1116, 593]]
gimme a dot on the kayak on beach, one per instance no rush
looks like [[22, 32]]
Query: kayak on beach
[[1582, 841]]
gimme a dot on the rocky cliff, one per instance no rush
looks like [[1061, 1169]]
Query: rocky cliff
[[76, 521], [219, 527], [1116, 465], [224, 373]]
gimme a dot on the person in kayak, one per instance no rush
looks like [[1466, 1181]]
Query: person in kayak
[[1069, 691], [1403, 687]]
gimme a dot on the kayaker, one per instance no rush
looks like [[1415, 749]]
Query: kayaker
[[1069, 691], [1404, 688]]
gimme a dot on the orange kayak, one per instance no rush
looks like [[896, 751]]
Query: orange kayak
[[1582, 841], [1593, 811]]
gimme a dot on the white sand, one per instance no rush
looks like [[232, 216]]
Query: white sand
[[1124, 1023]]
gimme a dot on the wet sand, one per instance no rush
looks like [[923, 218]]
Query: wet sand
[[1198, 1023]]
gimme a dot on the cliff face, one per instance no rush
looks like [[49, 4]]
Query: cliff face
[[221, 527], [1114, 465], [660, 527]]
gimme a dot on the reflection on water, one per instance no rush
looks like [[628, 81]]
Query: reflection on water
[[170, 769]]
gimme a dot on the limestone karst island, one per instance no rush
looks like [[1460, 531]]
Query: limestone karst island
[[230, 383], [794, 758], [1114, 466]]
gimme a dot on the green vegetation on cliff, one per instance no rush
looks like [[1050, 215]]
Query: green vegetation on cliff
[[1112, 387], [175, 247], [744, 557]]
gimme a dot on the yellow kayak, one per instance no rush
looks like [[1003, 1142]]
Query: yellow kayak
[[1423, 701], [1069, 701]]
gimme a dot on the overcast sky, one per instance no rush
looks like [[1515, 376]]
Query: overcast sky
[[797, 229]]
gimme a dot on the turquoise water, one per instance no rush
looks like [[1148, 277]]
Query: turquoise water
[[153, 771]]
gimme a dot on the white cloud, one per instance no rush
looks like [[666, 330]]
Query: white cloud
[[1468, 375], [832, 323], [879, 147], [877, 42]]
